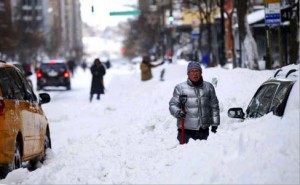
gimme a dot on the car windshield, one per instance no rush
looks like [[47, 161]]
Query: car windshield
[[56, 67], [256, 103], [5, 84], [266, 100], [269, 97]]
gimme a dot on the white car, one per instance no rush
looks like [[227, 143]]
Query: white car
[[273, 95]]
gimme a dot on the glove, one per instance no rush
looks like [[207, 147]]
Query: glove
[[214, 129], [180, 114]]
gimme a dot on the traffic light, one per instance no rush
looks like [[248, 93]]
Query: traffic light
[[92, 9], [123, 51], [171, 18]]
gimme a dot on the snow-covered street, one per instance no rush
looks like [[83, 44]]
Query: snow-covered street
[[129, 136]]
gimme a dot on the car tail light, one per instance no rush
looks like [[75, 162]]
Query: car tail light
[[39, 74], [66, 74], [52, 62], [2, 107]]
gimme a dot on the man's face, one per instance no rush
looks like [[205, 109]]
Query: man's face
[[194, 75]]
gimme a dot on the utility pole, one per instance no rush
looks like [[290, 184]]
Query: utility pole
[[280, 46], [223, 36], [269, 51], [171, 19], [272, 19]]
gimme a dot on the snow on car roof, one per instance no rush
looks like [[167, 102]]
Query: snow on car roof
[[3, 64]]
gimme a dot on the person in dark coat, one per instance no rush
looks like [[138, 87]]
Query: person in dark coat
[[71, 65], [98, 71], [107, 64]]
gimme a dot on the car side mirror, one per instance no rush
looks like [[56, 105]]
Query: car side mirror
[[236, 113], [44, 98]]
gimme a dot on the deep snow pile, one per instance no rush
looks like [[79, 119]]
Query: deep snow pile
[[129, 137]]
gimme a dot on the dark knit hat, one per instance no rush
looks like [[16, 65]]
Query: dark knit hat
[[194, 65]]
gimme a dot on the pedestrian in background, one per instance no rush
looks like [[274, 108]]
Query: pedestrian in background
[[146, 73], [107, 64], [84, 65], [71, 65], [201, 108], [162, 72], [98, 71]]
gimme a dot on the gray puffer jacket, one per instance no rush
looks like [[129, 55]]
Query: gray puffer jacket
[[202, 106]]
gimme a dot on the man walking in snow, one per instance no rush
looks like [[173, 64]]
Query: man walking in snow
[[201, 110]]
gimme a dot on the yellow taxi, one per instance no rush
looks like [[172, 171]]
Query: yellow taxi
[[24, 128]]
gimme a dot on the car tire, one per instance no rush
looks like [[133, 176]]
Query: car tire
[[16, 164], [34, 163], [68, 87], [47, 145]]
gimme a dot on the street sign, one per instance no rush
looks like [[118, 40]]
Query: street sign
[[195, 35], [122, 13], [272, 12], [271, 1]]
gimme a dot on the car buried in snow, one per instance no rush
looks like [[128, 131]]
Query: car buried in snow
[[272, 96], [24, 128]]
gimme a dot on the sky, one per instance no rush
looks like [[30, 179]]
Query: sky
[[129, 136], [101, 17]]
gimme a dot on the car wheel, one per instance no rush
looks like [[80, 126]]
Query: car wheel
[[17, 162], [47, 145], [68, 87], [35, 163]]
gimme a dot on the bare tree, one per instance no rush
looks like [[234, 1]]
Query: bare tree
[[141, 36], [9, 41], [294, 28], [54, 43], [206, 10], [229, 13], [23, 39]]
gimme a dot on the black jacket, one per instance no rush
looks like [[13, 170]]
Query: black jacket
[[98, 71]]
